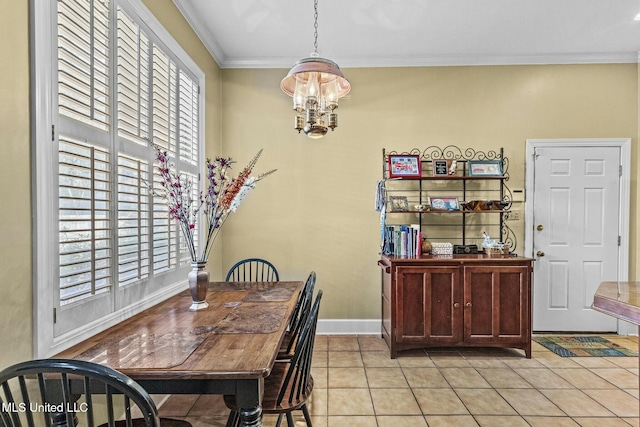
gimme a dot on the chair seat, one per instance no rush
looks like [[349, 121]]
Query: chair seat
[[272, 385], [284, 353]]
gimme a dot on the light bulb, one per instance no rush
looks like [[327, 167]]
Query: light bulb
[[330, 94], [299, 95], [313, 89]]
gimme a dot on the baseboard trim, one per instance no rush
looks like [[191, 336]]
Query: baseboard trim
[[349, 327]]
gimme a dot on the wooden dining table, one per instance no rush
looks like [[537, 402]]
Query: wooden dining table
[[620, 300], [228, 348]]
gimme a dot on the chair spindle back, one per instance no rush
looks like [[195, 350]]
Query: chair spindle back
[[253, 270], [69, 392]]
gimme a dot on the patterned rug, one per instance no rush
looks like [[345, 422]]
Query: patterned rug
[[580, 346]]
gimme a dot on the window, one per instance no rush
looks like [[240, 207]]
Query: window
[[119, 83]]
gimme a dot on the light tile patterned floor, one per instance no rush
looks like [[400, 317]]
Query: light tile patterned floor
[[358, 385]]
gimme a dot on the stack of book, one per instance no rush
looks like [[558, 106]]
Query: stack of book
[[403, 240]]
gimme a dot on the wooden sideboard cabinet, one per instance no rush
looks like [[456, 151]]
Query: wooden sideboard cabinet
[[456, 301]]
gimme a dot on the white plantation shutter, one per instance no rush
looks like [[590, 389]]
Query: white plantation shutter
[[83, 61], [188, 119], [164, 101], [84, 221], [133, 80], [164, 236], [118, 89], [134, 222]]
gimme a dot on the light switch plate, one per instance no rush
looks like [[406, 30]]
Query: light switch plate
[[518, 195]]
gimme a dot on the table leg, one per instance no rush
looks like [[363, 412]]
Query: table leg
[[251, 417], [55, 397], [249, 400]]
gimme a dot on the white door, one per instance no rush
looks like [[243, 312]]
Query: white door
[[576, 218]]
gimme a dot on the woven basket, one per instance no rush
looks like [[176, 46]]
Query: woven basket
[[497, 251], [441, 248]]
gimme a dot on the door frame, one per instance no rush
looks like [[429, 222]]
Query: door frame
[[624, 328]]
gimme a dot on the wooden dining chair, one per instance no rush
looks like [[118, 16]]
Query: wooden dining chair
[[290, 383], [69, 392], [252, 270], [139, 422], [300, 313]]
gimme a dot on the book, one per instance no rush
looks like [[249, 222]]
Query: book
[[402, 240]]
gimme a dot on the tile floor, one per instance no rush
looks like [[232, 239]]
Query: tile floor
[[358, 385]]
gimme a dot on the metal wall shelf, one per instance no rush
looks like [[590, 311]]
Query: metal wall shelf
[[455, 226]]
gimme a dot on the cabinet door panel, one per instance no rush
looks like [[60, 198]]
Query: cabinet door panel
[[441, 297], [411, 289], [479, 305], [427, 300], [511, 304], [496, 304]]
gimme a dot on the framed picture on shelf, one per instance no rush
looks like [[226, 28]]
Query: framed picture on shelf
[[404, 166], [485, 168], [399, 203], [444, 167], [444, 203]]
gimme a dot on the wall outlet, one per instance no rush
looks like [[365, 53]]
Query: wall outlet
[[514, 215]]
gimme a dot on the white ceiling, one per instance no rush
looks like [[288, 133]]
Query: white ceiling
[[380, 33]]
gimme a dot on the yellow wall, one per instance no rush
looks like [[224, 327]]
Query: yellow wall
[[317, 211], [15, 190]]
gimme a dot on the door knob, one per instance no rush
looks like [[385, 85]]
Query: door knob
[[539, 253], [540, 227]]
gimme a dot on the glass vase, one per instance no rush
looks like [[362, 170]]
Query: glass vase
[[198, 284]]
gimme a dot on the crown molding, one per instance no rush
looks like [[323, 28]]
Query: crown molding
[[443, 60]]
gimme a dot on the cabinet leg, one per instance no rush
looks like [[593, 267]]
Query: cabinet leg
[[527, 350]]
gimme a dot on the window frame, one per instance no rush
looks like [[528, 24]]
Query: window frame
[[44, 171]]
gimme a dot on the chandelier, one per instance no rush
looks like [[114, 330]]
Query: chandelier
[[316, 84]]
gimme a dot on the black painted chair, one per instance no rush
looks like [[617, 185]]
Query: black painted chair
[[67, 392], [139, 422], [252, 270], [300, 313], [290, 383]]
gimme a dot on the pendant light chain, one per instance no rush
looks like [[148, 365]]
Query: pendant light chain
[[315, 26]]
